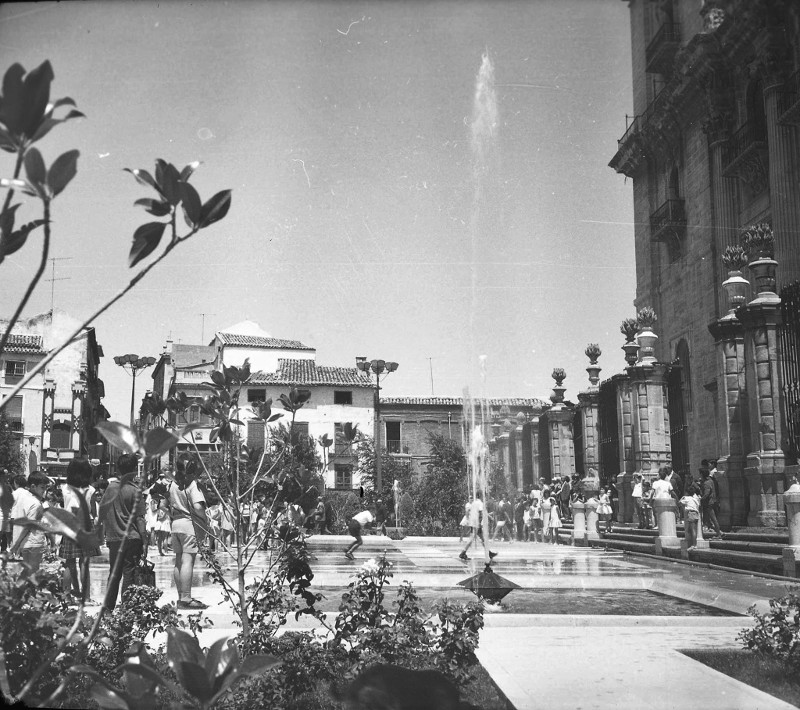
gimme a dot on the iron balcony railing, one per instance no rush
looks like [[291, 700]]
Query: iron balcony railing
[[396, 446], [633, 128], [662, 48], [749, 137], [670, 216]]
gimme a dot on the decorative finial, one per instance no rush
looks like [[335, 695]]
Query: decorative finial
[[629, 327]]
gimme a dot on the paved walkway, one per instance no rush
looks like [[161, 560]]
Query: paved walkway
[[575, 661]]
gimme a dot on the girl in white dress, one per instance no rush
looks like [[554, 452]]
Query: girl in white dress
[[555, 521], [604, 510]]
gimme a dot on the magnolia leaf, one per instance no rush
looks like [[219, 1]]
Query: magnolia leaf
[[218, 378], [62, 171], [187, 172], [120, 436], [215, 209], [14, 241], [107, 698], [36, 96], [220, 660], [158, 441], [250, 666], [157, 208], [190, 201], [195, 681], [167, 177], [145, 241], [182, 647], [49, 123], [144, 178], [142, 680], [7, 142], [34, 167], [275, 416]]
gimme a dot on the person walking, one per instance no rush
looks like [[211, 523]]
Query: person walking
[[189, 528], [547, 508], [319, 516], [564, 495], [78, 498], [636, 495], [647, 505], [503, 522], [708, 499], [536, 519], [6, 504], [357, 523], [122, 501], [476, 527], [691, 504], [662, 488], [29, 542]]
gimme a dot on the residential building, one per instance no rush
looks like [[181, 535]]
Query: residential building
[[54, 414]]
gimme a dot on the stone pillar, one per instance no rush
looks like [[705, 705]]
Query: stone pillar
[[76, 430], [665, 510], [536, 466], [723, 190], [651, 443], [765, 463], [592, 519], [48, 409], [734, 418], [503, 443], [519, 457], [791, 554], [578, 536], [628, 465], [784, 170], [559, 430]]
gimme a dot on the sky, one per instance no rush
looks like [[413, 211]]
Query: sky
[[396, 195]]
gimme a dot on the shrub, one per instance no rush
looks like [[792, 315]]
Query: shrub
[[776, 633]]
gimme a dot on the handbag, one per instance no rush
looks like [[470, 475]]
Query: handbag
[[145, 574]]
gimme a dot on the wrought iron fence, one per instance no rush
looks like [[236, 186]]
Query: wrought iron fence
[[609, 431], [678, 428], [577, 441], [789, 356]]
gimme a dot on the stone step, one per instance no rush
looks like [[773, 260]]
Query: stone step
[[643, 536], [752, 561], [630, 546], [726, 543]]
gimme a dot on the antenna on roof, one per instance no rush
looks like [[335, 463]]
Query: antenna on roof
[[53, 279], [203, 327], [430, 363]]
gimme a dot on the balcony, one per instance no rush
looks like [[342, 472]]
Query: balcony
[[661, 51], [748, 142], [789, 101], [630, 150], [398, 447], [668, 226]]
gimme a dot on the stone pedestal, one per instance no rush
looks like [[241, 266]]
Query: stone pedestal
[[559, 431], [791, 554], [665, 510], [578, 523], [592, 520], [765, 463]]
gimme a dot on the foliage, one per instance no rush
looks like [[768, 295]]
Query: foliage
[[11, 456], [203, 677], [392, 469], [777, 632], [136, 616], [345, 505], [34, 618]]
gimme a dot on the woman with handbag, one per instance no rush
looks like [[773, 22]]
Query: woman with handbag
[[78, 500]]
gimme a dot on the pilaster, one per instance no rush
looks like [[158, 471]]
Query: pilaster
[[651, 442]]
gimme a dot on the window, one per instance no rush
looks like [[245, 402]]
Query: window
[[342, 397], [393, 437], [60, 435], [15, 368], [257, 395], [344, 475], [13, 412]]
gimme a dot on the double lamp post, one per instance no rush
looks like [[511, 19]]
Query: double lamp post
[[378, 367]]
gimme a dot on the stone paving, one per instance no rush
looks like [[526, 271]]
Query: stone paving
[[564, 660]]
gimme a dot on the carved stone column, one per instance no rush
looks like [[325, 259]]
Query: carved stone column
[[765, 463], [536, 467], [78, 400], [628, 464], [723, 190], [588, 407], [784, 170], [48, 408]]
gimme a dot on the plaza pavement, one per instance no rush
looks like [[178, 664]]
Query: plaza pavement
[[553, 661]]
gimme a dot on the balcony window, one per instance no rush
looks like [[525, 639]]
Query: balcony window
[[13, 414], [15, 369], [661, 50], [342, 397], [344, 475], [668, 225], [256, 395]]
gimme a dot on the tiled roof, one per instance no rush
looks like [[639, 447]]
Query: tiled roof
[[459, 402], [307, 372], [190, 355], [254, 341], [24, 344]]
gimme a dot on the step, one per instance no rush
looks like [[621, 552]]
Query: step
[[632, 537], [768, 548], [753, 561], [776, 538], [647, 548]]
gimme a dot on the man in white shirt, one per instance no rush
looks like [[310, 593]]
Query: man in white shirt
[[354, 527], [475, 523], [29, 542], [637, 499]]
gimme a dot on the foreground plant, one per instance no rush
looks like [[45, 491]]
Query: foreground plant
[[777, 632]]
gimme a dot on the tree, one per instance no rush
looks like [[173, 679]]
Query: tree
[[392, 469], [11, 457]]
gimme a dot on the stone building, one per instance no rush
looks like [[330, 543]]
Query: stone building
[[54, 415], [712, 149]]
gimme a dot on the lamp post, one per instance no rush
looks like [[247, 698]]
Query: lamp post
[[378, 367], [134, 364]]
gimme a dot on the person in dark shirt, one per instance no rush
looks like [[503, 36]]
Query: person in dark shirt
[[123, 499]]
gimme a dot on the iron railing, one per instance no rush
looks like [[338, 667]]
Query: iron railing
[[789, 341], [751, 135], [678, 428], [671, 215], [609, 431], [578, 443], [662, 48]]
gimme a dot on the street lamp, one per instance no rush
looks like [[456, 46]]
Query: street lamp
[[134, 364], [378, 367]]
